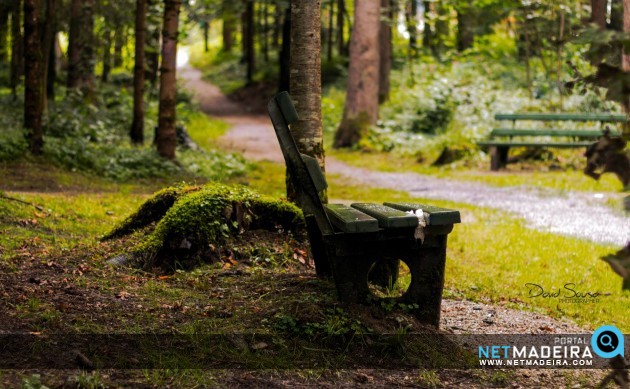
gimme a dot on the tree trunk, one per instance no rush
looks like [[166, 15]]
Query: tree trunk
[[228, 26], [412, 26], [107, 55], [465, 28], [166, 138], [33, 77], [17, 46], [616, 15], [625, 65], [206, 36], [52, 69], [119, 43], [74, 47], [265, 30], [4, 32], [361, 107], [285, 53], [306, 85], [86, 74], [249, 51], [331, 30], [598, 12], [341, 44], [385, 48], [137, 125], [47, 44]]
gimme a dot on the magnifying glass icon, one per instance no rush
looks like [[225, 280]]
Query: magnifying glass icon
[[606, 340]]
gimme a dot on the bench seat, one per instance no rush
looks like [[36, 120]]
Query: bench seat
[[565, 145], [590, 133]]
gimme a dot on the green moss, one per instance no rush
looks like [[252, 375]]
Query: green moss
[[151, 211], [195, 222]]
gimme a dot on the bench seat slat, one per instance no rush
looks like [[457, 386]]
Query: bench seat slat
[[387, 217], [589, 133], [585, 117], [349, 220], [565, 145], [437, 216]]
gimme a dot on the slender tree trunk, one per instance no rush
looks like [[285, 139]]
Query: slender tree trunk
[[52, 69], [74, 47], [341, 43], [306, 82], [598, 12], [107, 55], [166, 138], [48, 41], [285, 53], [4, 32], [119, 43], [465, 27], [265, 30], [625, 64], [442, 29], [86, 39], [17, 45], [228, 26], [412, 26], [331, 30], [361, 108], [206, 36], [277, 26], [616, 15], [385, 48], [248, 40], [137, 125], [33, 79]]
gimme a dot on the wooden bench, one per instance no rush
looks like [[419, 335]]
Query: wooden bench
[[351, 243], [503, 138]]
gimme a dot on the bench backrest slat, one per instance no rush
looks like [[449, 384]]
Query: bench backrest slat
[[585, 117], [282, 113]]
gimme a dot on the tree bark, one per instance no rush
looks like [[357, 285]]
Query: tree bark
[[465, 28], [341, 43], [74, 48], [331, 30], [598, 12], [166, 138], [306, 85], [107, 55], [412, 26], [285, 53], [48, 43], [33, 77], [52, 69], [137, 125], [385, 48], [119, 42], [17, 47], [361, 107], [4, 32], [228, 26], [249, 51]]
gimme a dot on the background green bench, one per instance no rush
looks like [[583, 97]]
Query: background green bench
[[503, 138]]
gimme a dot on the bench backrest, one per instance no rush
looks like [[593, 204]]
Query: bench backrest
[[584, 117], [306, 174]]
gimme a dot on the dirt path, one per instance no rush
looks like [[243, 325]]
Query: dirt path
[[569, 213]]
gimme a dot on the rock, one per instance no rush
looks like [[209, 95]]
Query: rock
[[119, 260]]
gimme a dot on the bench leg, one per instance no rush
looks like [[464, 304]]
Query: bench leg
[[351, 278], [427, 282], [498, 157], [318, 248]]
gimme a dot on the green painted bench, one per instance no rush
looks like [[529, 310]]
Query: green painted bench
[[364, 242], [503, 138]]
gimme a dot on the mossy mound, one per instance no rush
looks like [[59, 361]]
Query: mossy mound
[[192, 222]]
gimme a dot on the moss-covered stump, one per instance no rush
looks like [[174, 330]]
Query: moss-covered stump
[[194, 223]]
